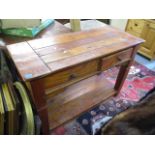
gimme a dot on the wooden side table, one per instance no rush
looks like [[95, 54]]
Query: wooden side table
[[64, 72]]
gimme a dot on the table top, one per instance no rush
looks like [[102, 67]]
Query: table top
[[40, 57]]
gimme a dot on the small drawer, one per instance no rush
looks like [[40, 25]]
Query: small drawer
[[136, 25], [145, 50], [151, 25], [71, 74], [134, 33], [116, 59]]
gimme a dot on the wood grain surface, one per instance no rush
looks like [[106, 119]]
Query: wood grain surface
[[65, 71], [40, 57], [54, 29], [78, 98]]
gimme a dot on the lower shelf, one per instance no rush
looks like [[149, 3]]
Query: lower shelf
[[78, 98]]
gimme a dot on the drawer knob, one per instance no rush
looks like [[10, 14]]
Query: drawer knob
[[72, 76], [119, 58], [136, 24]]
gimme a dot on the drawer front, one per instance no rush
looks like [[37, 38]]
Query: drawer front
[[134, 33], [151, 25], [116, 59], [145, 50], [71, 74], [135, 25]]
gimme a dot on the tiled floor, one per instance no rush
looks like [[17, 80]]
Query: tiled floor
[[148, 63]]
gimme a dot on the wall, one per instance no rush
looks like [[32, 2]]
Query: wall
[[119, 23]]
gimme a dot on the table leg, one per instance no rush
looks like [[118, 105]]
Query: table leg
[[123, 72], [40, 103]]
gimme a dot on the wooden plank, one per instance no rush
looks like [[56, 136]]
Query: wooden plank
[[68, 37], [55, 56], [90, 55], [78, 98], [27, 61], [73, 44], [31, 66], [95, 43]]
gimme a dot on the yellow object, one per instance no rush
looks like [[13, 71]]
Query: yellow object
[[1, 116], [10, 110], [75, 24], [16, 104], [20, 23], [145, 29], [29, 124]]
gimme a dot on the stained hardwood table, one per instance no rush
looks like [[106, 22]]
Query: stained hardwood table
[[64, 73]]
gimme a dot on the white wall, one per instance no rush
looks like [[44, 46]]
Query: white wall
[[119, 23]]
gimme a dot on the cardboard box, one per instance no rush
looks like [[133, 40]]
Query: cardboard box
[[19, 23]]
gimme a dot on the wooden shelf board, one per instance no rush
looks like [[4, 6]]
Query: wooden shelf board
[[78, 98]]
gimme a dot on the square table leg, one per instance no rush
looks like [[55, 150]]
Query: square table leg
[[40, 103], [123, 72]]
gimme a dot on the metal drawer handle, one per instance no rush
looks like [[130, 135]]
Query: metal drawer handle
[[73, 76]]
